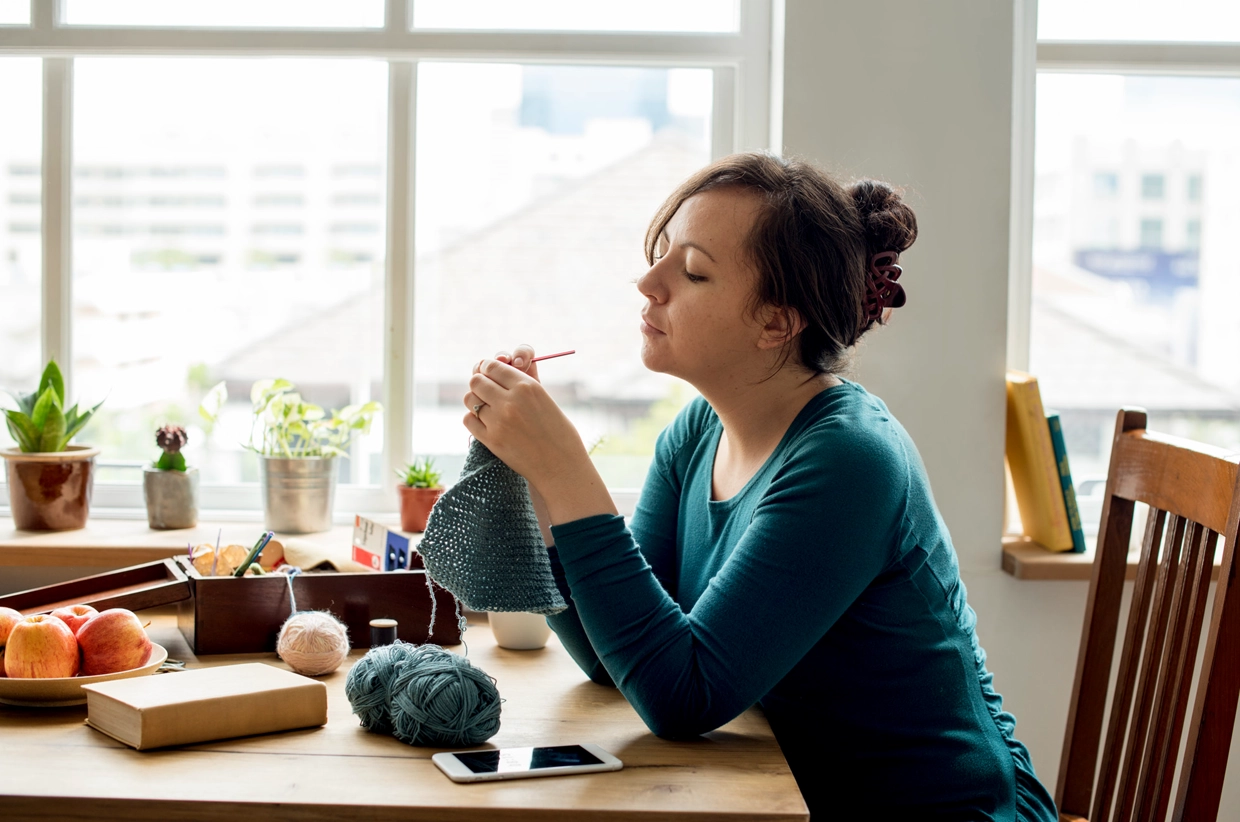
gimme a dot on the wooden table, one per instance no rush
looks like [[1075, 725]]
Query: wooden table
[[53, 767]]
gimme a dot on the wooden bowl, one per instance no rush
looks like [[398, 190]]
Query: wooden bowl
[[63, 691]]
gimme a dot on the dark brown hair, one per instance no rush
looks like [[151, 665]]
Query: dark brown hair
[[811, 244]]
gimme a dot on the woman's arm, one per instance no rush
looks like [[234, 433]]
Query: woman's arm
[[824, 530]]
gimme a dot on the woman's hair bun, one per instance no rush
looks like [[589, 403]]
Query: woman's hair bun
[[889, 224]]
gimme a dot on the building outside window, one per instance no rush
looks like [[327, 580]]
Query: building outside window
[[238, 210], [1143, 316]]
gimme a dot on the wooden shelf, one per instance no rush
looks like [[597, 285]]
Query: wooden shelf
[[116, 543], [1025, 559]]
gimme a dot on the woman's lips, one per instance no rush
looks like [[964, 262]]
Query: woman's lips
[[649, 330]]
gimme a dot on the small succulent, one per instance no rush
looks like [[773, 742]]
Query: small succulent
[[172, 439], [420, 473]]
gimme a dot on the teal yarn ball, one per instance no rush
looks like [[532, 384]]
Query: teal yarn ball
[[369, 683], [423, 695]]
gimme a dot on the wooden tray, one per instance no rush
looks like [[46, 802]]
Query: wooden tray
[[149, 585]]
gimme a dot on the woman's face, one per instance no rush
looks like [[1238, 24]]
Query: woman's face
[[697, 321]]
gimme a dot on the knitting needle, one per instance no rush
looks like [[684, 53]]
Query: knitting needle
[[553, 356]]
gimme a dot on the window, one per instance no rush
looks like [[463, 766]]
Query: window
[[14, 12], [1192, 188], [569, 15], [20, 235], [232, 208], [1106, 184], [1152, 186], [210, 122], [1129, 304], [1192, 235]]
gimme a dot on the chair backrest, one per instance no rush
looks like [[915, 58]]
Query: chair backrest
[[1193, 498]]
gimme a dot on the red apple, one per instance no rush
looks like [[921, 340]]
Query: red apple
[[113, 640], [74, 616], [8, 618], [39, 647]]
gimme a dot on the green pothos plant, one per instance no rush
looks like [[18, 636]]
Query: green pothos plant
[[285, 425]]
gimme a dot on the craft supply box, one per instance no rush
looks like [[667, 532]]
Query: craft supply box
[[224, 615]]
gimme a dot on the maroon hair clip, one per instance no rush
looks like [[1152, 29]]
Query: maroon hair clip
[[881, 289]]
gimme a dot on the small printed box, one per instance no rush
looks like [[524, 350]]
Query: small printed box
[[380, 549]]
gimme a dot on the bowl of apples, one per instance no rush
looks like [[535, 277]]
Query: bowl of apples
[[45, 659]]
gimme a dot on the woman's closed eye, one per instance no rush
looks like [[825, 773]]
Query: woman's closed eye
[[694, 278]]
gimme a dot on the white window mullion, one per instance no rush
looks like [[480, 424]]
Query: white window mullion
[[753, 92], [398, 305], [57, 190], [723, 127], [1020, 242]]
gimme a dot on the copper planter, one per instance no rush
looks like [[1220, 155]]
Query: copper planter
[[50, 491]]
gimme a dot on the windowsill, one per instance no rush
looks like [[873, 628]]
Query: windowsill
[[1025, 559], [116, 543]]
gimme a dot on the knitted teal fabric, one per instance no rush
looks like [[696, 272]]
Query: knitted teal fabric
[[482, 541]]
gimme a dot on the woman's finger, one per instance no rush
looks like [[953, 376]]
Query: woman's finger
[[500, 373], [522, 355], [471, 399]]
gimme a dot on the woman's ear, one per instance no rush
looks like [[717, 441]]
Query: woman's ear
[[780, 325]]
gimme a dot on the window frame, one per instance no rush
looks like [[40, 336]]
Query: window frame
[[1031, 57], [741, 62]]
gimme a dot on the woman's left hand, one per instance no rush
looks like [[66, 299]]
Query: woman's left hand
[[517, 419]]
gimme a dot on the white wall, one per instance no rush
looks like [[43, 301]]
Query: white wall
[[920, 94]]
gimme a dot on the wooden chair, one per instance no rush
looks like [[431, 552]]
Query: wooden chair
[[1194, 499]]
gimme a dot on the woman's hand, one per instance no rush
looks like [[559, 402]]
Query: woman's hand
[[517, 419]]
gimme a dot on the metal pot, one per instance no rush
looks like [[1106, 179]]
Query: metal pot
[[171, 497], [50, 491], [298, 493]]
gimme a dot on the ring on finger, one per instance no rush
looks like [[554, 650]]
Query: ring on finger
[[478, 409]]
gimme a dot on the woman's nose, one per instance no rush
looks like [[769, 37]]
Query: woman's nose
[[648, 284]]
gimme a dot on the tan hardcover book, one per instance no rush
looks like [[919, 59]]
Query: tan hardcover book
[[1031, 459], [204, 704]]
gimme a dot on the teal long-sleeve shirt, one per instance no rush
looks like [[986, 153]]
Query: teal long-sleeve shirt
[[828, 591]]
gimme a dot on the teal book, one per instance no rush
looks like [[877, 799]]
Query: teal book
[[1065, 479]]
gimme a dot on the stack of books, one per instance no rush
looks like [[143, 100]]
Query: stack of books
[[1038, 463]]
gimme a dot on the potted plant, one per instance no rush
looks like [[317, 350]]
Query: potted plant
[[297, 445], [169, 486], [50, 481], [419, 489]]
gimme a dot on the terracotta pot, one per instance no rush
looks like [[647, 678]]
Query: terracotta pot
[[51, 491], [415, 506]]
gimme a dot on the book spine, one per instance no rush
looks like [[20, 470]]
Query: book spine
[[1065, 479], [1031, 457]]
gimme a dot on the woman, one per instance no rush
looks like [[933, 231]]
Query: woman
[[786, 549]]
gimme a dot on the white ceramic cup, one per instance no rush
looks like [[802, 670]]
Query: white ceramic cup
[[519, 631]]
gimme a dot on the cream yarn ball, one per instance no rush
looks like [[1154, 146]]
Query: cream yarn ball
[[313, 643]]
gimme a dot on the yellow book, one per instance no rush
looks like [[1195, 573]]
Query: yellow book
[[1031, 459], [205, 704]]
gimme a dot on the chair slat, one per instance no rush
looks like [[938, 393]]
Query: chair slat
[[1087, 708], [1214, 713], [1121, 704], [1166, 678], [1151, 660], [1184, 676]]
